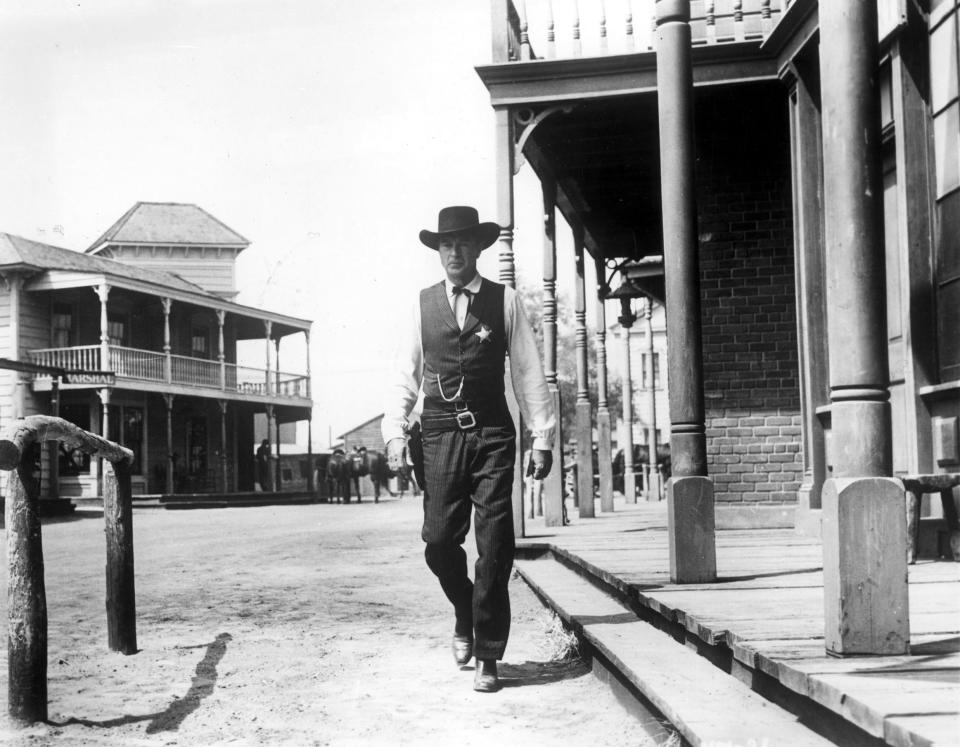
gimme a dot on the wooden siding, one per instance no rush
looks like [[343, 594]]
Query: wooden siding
[[217, 275]]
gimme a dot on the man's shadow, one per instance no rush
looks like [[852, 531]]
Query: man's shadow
[[201, 686], [541, 672]]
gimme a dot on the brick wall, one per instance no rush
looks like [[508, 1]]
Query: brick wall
[[751, 369]]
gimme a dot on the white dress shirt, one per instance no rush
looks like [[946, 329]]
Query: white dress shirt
[[526, 371]]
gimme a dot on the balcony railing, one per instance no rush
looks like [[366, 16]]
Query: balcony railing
[[548, 29], [148, 365]]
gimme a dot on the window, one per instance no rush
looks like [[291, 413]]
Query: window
[[117, 329], [645, 371], [199, 342], [944, 103], [62, 320]]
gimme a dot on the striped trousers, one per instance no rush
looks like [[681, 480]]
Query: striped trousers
[[472, 471]]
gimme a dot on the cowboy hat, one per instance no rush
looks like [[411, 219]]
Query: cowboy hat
[[459, 220]]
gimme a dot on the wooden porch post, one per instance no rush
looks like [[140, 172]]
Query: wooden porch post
[[864, 522], [626, 320], [276, 390], [267, 329], [168, 401], [168, 362], [225, 487], [807, 169], [690, 514], [553, 484], [604, 455], [103, 292], [653, 476], [221, 353], [583, 407], [104, 395], [507, 271]]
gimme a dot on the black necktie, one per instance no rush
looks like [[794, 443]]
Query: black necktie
[[457, 290]]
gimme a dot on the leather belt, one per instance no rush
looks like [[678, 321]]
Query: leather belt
[[465, 419]]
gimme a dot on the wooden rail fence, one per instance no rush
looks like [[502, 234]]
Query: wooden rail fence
[[26, 595]]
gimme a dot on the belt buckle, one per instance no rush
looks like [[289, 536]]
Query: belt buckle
[[466, 420]]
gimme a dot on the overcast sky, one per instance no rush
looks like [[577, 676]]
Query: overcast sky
[[327, 133]]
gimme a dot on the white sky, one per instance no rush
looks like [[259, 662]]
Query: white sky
[[327, 133]]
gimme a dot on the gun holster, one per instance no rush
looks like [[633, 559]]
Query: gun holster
[[415, 452]]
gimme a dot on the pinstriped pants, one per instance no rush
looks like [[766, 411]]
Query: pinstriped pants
[[464, 470]]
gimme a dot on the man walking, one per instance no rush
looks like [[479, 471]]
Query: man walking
[[460, 333]]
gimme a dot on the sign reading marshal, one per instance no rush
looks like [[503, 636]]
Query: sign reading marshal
[[89, 378]]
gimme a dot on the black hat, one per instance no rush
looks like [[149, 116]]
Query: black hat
[[460, 219]]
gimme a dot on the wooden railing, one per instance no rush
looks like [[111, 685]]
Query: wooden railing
[[547, 29], [152, 366], [26, 593]]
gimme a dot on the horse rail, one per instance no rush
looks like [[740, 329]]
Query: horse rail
[[26, 593]]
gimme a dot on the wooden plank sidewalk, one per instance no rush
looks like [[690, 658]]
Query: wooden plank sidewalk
[[767, 609]]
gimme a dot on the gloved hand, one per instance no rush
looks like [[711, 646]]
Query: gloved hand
[[541, 460], [396, 459]]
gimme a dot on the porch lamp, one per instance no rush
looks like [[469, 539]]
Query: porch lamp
[[625, 294]]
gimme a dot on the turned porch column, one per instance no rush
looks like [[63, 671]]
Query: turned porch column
[[690, 516], [103, 292], [221, 351], [553, 484], [864, 523], [604, 455], [626, 320], [267, 329], [507, 275], [653, 478], [583, 408], [167, 360]]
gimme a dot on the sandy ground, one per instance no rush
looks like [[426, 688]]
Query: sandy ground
[[304, 625]]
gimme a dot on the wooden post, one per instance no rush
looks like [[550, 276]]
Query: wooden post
[[53, 448], [167, 360], [864, 522], [121, 596], [221, 351], [629, 476], [690, 513], [26, 594], [26, 601], [168, 401], [553, 508], [652, 480], [267, 327], [224, 475], [604, 451], [583, 407], [806, 153], [507, 276]]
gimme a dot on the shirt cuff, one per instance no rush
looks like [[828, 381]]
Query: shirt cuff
[[542, 444]]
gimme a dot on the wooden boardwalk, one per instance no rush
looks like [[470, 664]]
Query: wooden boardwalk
[[766, 610]]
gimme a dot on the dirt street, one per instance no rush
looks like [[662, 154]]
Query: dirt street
[[303, 625]]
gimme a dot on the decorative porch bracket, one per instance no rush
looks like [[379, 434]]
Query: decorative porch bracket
[[529, 121]]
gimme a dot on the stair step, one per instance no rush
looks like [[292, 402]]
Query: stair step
[[706, 705]]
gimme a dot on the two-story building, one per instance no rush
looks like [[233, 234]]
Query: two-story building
[[159, 351]]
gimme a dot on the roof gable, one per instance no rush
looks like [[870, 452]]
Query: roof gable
[[166, 224]]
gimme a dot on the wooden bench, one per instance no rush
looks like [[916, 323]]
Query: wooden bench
[[919, 485]]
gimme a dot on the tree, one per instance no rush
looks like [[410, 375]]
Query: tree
[[532, 298]]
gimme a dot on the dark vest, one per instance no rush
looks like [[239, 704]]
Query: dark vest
[[476, 354]]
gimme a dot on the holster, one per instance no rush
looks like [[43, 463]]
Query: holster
[[415, 452]]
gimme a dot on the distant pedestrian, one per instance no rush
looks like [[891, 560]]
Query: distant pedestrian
[[264, 479], [454, 347]]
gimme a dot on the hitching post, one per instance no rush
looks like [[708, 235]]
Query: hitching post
[[26, 595]]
